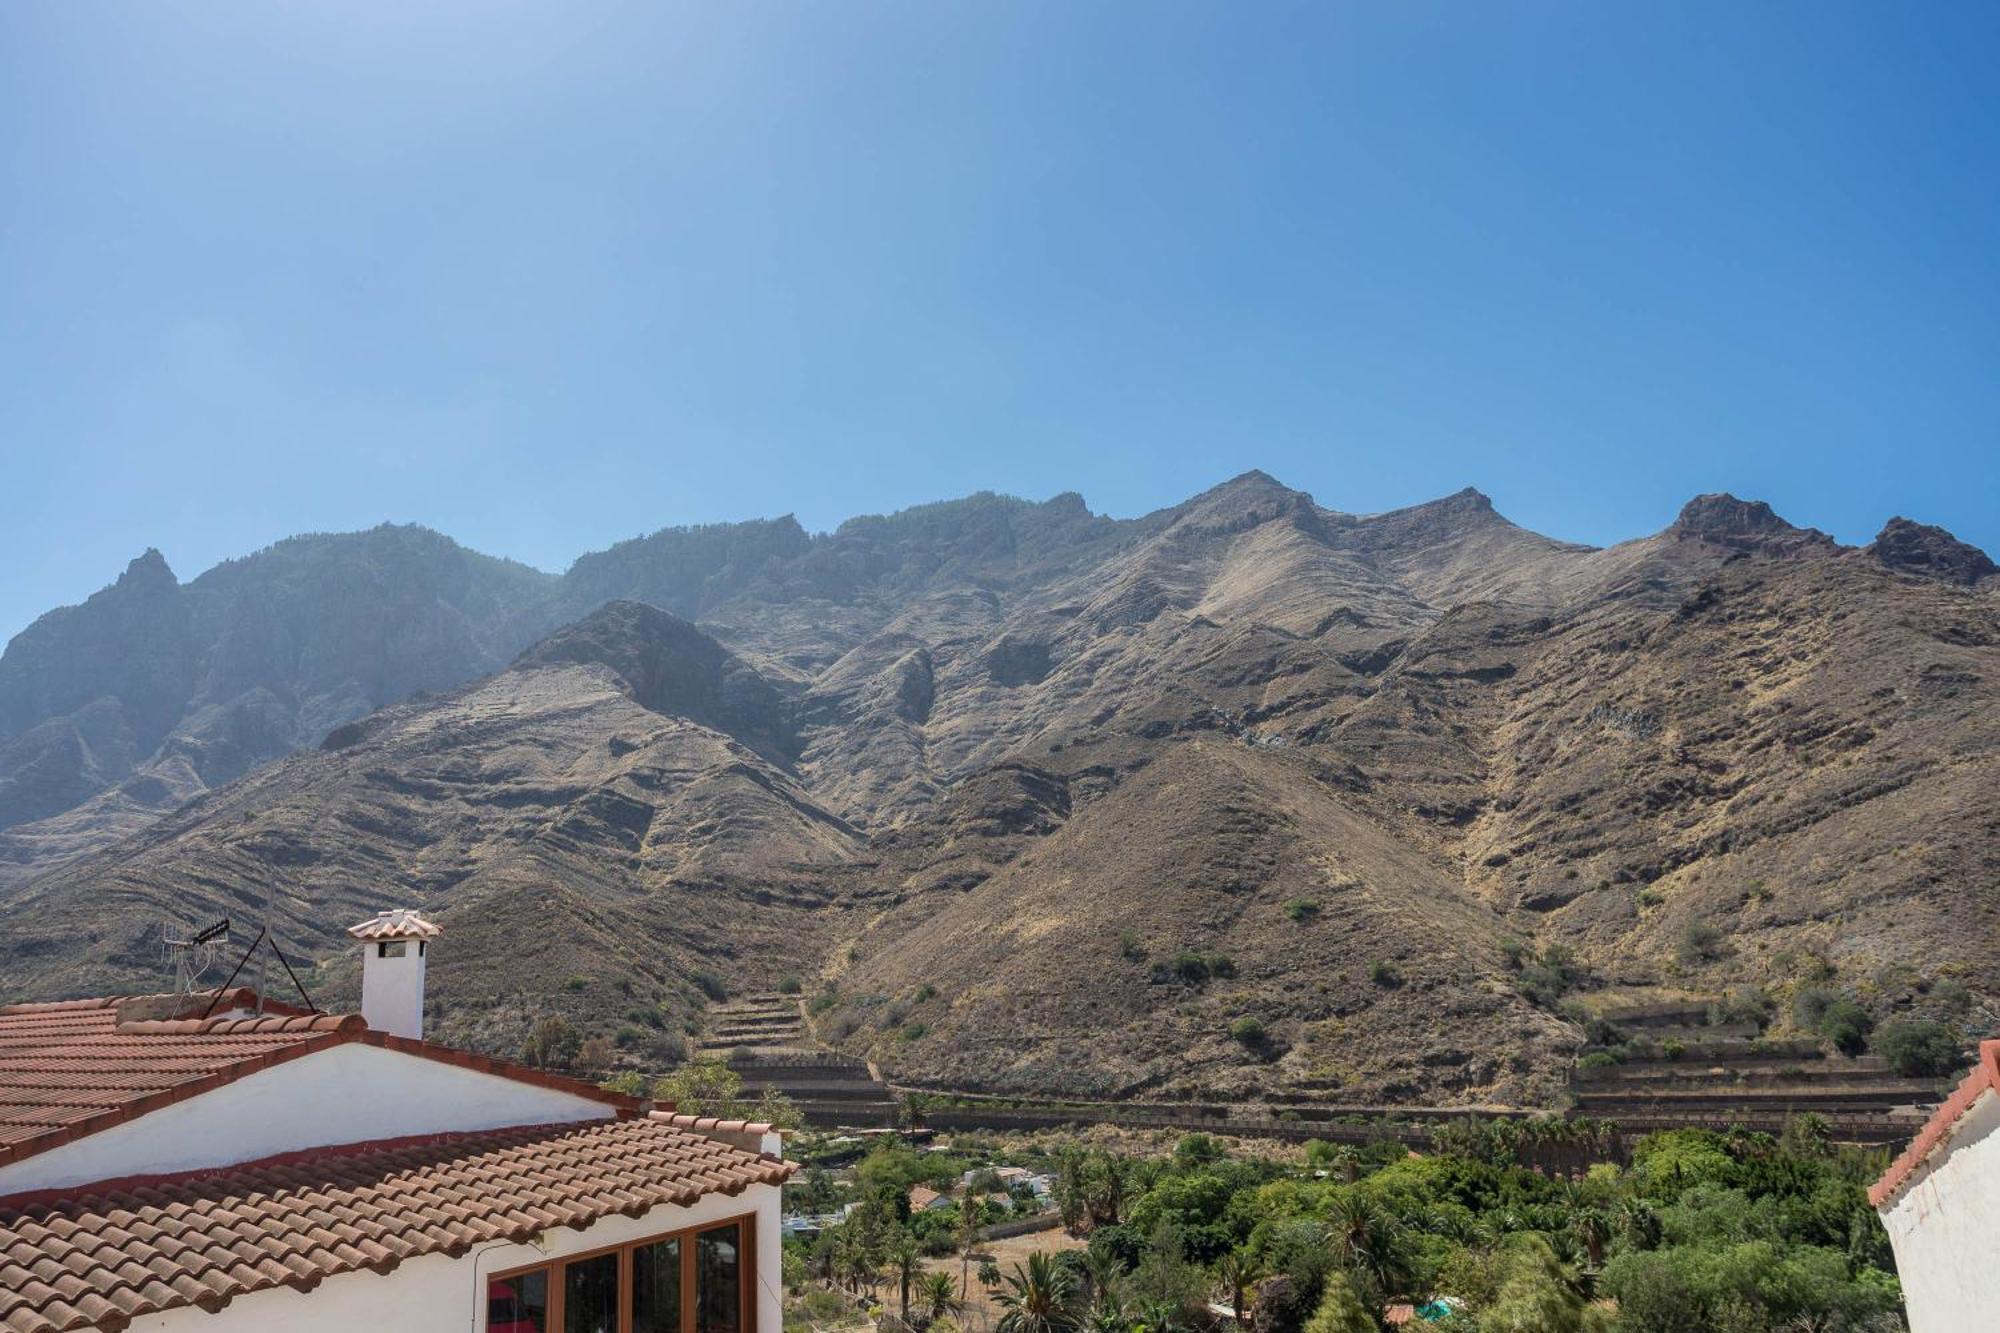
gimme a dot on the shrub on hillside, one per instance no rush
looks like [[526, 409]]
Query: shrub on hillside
[[1194, 968], [552, 1043], [1699, 942], [1549, 975], [1846, 1024], [1920, 1048], [1248, 1030]]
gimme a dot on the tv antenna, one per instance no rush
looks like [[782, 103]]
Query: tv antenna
[[191, 952]]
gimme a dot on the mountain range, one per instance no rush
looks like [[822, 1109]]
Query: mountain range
[[1033, 800]]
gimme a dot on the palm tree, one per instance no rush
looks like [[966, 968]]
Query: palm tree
[[936, 1298], [1365, 1240], [1593, 1228], [968, 1236], [906, 1261], [1347, 1159], [1040, 1298], [1103, 1273], [914, 1106], [1236, 1273]]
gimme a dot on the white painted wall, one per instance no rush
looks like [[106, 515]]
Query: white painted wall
[[437, 1295], [1945, 1227], [392, 989], [349, 1093]]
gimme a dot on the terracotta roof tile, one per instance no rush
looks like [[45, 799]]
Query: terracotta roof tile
[[398, 923], [73, 1067], [103, 1257]]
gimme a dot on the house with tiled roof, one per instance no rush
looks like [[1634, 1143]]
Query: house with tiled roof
[[222, 1163], [1940, 1202]]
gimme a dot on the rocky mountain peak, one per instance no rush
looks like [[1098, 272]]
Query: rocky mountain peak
[[148, 572], [1723, 519], [1922, 548], [1244, 502]]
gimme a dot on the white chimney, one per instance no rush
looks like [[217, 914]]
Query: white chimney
[[394, 947]]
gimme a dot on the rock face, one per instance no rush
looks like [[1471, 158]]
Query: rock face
[[1041, 801], [1920, 548]]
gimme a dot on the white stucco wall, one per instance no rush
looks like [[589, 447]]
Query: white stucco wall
[[438, 1295], [1945, 1227], [343, 1094]]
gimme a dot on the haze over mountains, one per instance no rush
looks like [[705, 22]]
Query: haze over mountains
[[990, 773]]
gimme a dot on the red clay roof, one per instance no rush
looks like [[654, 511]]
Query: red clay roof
[[1984, 1078], [100, 1258], [74, 1067]]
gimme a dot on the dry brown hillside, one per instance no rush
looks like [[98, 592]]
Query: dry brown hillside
[[1035, 801]]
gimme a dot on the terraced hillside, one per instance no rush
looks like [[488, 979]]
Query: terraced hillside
[[764, 1039]]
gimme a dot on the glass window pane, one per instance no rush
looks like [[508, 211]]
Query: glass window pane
[[656, 1287], [718, 1281], [518, 1304], [590, 1295]]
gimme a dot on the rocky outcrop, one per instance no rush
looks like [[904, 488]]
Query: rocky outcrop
[[1920, 548]]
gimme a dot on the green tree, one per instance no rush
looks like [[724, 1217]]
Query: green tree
[[1236, 1274], [1341, 1310], [906, 1262], [1365, 1239], [936, 1299], [1534, 1296], [1040, 1297], [706, 1085], [1920, 1048]]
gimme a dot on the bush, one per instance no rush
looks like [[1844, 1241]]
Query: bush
[[576, 983], [1248, 1030], [1597, 1060], [710, 985], [552, 1043], [1129, 947], [1745, 1004], [1920, 1048], [788, 986], [1194, 968], [1120, 1244], [1699, 942], [1301, 909], [1673, 1048], [1809, 1005], [1550, 975], [914, 1031], [1385, 973], [1846, 1024]]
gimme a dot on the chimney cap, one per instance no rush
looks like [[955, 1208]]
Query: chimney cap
[[397, 923]]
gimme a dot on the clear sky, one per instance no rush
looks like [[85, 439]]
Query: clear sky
[[548, 276]]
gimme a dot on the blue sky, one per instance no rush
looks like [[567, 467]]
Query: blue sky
[[544, 277]]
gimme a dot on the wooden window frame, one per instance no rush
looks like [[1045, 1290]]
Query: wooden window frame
[[746, 1273]]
